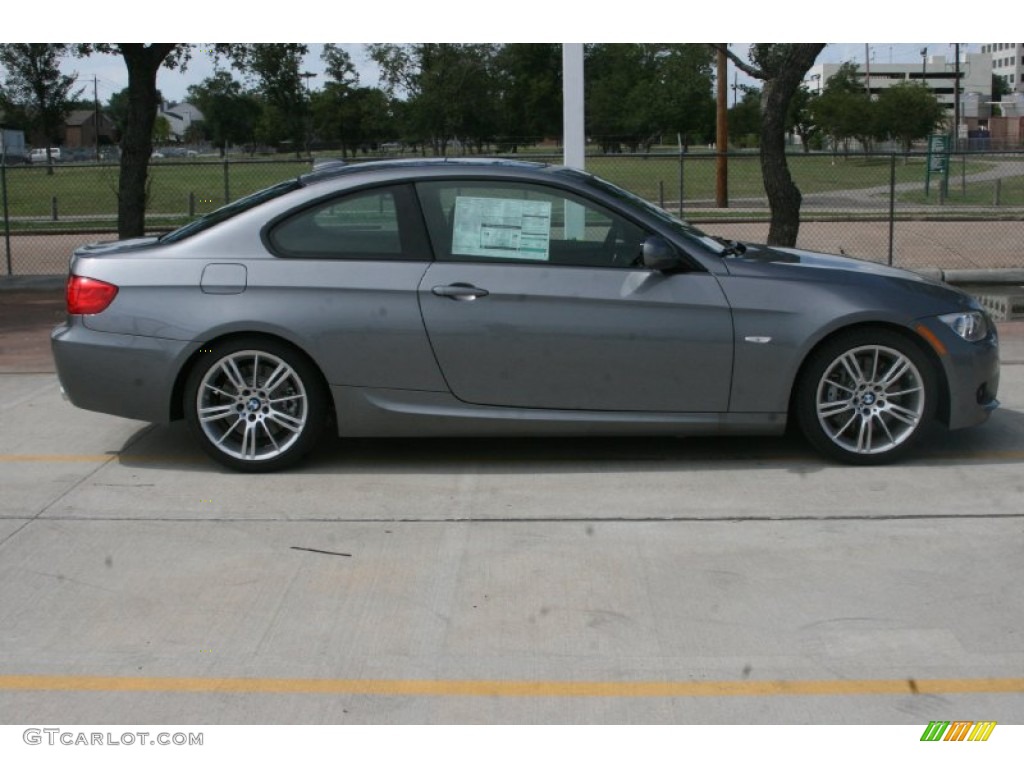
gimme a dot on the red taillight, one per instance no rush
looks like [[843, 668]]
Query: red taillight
[[86, 296]]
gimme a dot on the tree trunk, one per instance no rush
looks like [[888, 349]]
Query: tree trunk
[[784, 197], [142, 62]]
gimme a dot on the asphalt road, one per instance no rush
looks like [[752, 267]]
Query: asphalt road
[[487, 581]]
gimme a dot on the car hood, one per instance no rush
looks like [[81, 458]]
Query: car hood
[[812, 259], [116, 246], [760, 261]]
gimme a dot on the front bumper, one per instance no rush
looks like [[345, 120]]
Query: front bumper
[[128, 376], [972, 375]]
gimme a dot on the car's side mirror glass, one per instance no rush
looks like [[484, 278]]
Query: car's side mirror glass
[[658, 254]]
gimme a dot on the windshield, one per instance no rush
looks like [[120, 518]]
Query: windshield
[[223, 213], [711, 243]]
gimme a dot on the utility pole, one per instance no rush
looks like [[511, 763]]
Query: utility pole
[[867, 69], [956, 95], [96, 119], [722, 133], [574, 138], [307, 76]]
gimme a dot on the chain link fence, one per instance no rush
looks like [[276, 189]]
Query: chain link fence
[[888, 208]]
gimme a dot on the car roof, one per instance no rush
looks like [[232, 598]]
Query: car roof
[[339, 169]]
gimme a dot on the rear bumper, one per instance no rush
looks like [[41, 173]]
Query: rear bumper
[[128, 376]]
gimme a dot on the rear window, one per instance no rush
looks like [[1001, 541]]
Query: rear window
[[230, 210], [381, 223]]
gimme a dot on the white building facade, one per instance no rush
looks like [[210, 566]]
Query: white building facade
[[938, 73], [1008, 62]]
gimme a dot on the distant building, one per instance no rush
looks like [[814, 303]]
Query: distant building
[[1008, 62], [83, 127], [12, 144], [180, 117], [936, 72]]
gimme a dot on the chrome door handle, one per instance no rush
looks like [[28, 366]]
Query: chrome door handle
[[459, 291]]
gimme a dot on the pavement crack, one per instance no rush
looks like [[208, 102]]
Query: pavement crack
[[322, 551], [74, 486]]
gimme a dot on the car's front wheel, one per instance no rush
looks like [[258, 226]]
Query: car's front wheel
[[866, 396], [255, 405]]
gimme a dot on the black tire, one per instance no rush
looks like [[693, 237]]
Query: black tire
[[255, 404], [866, 396]]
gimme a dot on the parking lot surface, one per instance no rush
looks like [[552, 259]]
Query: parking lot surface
[[516, 581]]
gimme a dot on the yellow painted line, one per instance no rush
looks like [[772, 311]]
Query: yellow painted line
[[510, 688]]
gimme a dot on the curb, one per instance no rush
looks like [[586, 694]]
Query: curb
[[983, 276], [32, 283]]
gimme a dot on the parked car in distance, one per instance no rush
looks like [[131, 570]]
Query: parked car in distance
[[38, 155], [495, 298]]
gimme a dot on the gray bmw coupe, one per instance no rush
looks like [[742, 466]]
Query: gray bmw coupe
[[490, 298]]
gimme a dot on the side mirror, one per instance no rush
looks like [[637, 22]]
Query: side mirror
[[659, 255]]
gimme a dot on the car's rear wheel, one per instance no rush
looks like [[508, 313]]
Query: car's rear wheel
[[866, 397], [255, 405]]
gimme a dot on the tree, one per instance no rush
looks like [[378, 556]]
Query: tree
[[528, 90], [277, 71], [782, 67], [1000, 87], [908, 111], [119, 108], [638, 91], [686, 80], [844, 110], [37, 89], [142, 60], [356, 117], [342, 111], [338, 65], [800, 119], [448, 88], [230, 114], [745, 118], [161, 130]]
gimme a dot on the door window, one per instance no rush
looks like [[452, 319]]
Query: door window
[[485, 221]]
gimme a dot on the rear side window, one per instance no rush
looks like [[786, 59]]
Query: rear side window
[[374, 224]]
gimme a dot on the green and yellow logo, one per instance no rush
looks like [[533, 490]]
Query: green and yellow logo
[[958, 730]]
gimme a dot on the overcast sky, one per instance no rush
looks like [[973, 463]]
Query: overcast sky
[[111, 77], [471, 20]]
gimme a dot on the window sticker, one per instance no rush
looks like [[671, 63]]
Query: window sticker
[[502, 229]]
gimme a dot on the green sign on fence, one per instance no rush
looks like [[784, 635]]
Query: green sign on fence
[[938, 162]]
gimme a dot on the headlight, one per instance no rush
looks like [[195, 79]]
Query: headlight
[[970, 326]]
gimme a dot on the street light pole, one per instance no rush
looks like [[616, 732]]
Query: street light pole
[[722, 133], [956, 95], [307, 76]]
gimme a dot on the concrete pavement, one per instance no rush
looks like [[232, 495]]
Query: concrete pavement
[[485, 581]]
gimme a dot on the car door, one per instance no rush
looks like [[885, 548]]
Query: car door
[[535, 300], [346, 281]]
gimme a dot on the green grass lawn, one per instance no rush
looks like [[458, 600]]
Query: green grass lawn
[[90, 192], [1008, 193], [86, 190]]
